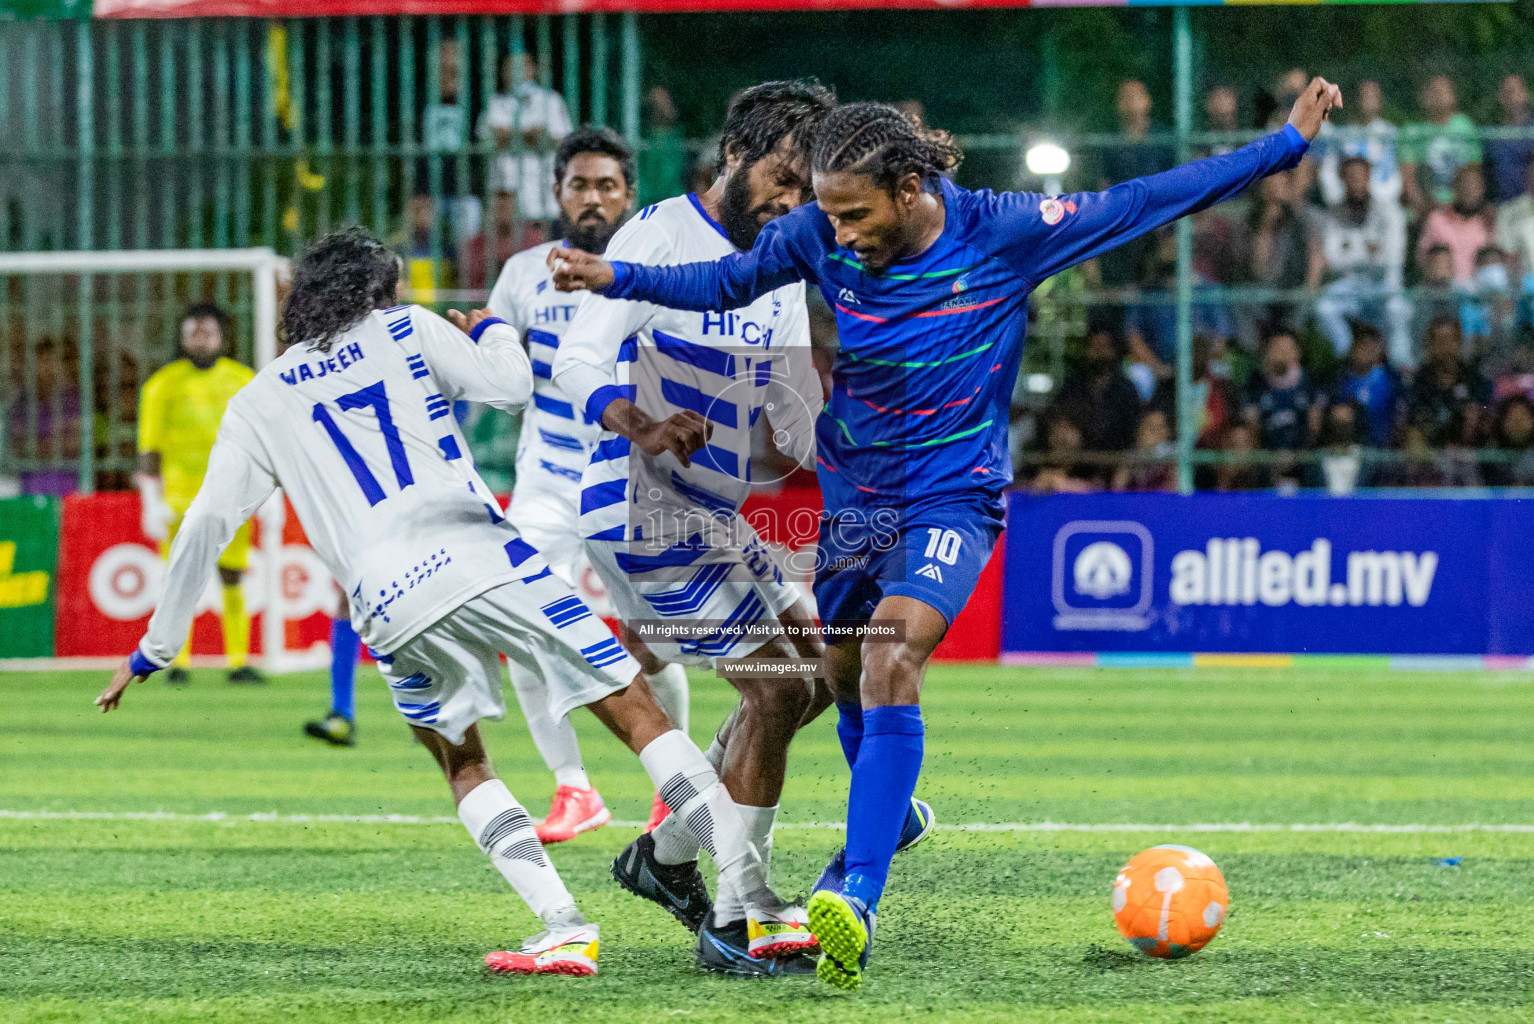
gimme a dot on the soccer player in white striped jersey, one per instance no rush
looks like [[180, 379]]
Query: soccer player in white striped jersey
[[353, 422], [678, 395], [594, 188]]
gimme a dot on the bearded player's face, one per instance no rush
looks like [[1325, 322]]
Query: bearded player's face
[[201, 340], [757, 194], [593, 196]]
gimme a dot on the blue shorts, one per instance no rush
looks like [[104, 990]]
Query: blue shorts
[[934, 553]]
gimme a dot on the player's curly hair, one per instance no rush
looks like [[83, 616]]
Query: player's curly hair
[[880, 140], [594, 139], [338, 280], [759, 118]]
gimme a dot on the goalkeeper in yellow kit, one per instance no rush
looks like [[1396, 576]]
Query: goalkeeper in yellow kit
[[179, 413]]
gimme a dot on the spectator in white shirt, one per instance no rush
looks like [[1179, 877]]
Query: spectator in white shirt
[[1362, 251], [1515, 233], [526, 122], [1369, 136]]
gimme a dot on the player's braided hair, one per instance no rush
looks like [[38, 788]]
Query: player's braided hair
[[762, 115], [879, 140], [594, 139], [339, 279]]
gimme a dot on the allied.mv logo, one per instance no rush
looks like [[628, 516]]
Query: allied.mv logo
[[1103, 576], [1102, 570]]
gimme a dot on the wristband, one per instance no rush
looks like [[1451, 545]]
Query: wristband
[[140, 665], [483, 326], [604, 396]]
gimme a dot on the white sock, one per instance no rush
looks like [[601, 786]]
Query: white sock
[[502, 829], [555, 739], [697, 798], [730, 903], [673, 843], [670, 688]]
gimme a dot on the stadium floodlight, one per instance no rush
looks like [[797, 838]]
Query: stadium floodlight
[[1049, 160]]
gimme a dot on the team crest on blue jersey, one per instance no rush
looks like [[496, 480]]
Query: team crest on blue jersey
[[961, 285]]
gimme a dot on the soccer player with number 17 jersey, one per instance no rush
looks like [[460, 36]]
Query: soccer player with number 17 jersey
[[930, 286], [354, 422]]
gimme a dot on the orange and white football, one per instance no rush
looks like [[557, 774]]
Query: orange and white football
[[1169, 901]]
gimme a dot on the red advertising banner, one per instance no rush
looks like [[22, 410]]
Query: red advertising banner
[[340, 8], [110, 574]]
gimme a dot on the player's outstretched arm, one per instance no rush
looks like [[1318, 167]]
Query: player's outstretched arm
[[1043, 235], [727, 283], [237, 482]]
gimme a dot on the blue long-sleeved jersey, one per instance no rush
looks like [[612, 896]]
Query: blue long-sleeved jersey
[[930, 347]]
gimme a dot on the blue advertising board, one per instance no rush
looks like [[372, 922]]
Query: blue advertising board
[[1262, 573]]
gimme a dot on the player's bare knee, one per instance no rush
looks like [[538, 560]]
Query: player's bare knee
[[777, 704], [892, 672]]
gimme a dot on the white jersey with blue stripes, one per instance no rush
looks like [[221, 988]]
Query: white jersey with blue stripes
[[728, 367], [667, 539], [362, 440], [557, 438]]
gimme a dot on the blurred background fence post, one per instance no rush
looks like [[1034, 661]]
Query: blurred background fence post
[[1187, 424]]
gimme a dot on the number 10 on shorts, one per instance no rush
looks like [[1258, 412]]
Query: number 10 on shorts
[[942, 545]]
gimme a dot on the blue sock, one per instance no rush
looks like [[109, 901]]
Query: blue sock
[[849, 729], [345, 646], [882, 783]]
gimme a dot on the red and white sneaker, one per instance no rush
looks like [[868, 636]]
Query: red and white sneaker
[[779, 931], [573, 811], [571, 950], [658, 812]]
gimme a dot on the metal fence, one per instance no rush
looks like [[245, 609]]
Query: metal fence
[[237, 132], [230, 133]]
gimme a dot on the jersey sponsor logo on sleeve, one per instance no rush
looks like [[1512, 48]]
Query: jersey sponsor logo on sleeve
[[848, 296], [1054, 210]]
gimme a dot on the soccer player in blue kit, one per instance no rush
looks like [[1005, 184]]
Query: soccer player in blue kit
[[930, 286]]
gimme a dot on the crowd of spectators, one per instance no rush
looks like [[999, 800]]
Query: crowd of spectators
[[1383, 302], [445, 235], [1366, 318]]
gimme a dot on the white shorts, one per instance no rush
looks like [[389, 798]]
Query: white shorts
[[449, 676], [734, 589], [549, 521]]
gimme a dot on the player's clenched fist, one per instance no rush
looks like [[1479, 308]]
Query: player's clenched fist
[[576, 270], [681, 434], [1310, 110]]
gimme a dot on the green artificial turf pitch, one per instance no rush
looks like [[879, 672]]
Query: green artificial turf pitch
[[120, 918]]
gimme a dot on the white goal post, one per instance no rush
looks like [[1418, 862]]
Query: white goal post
[[262, 264], [80, 273]]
